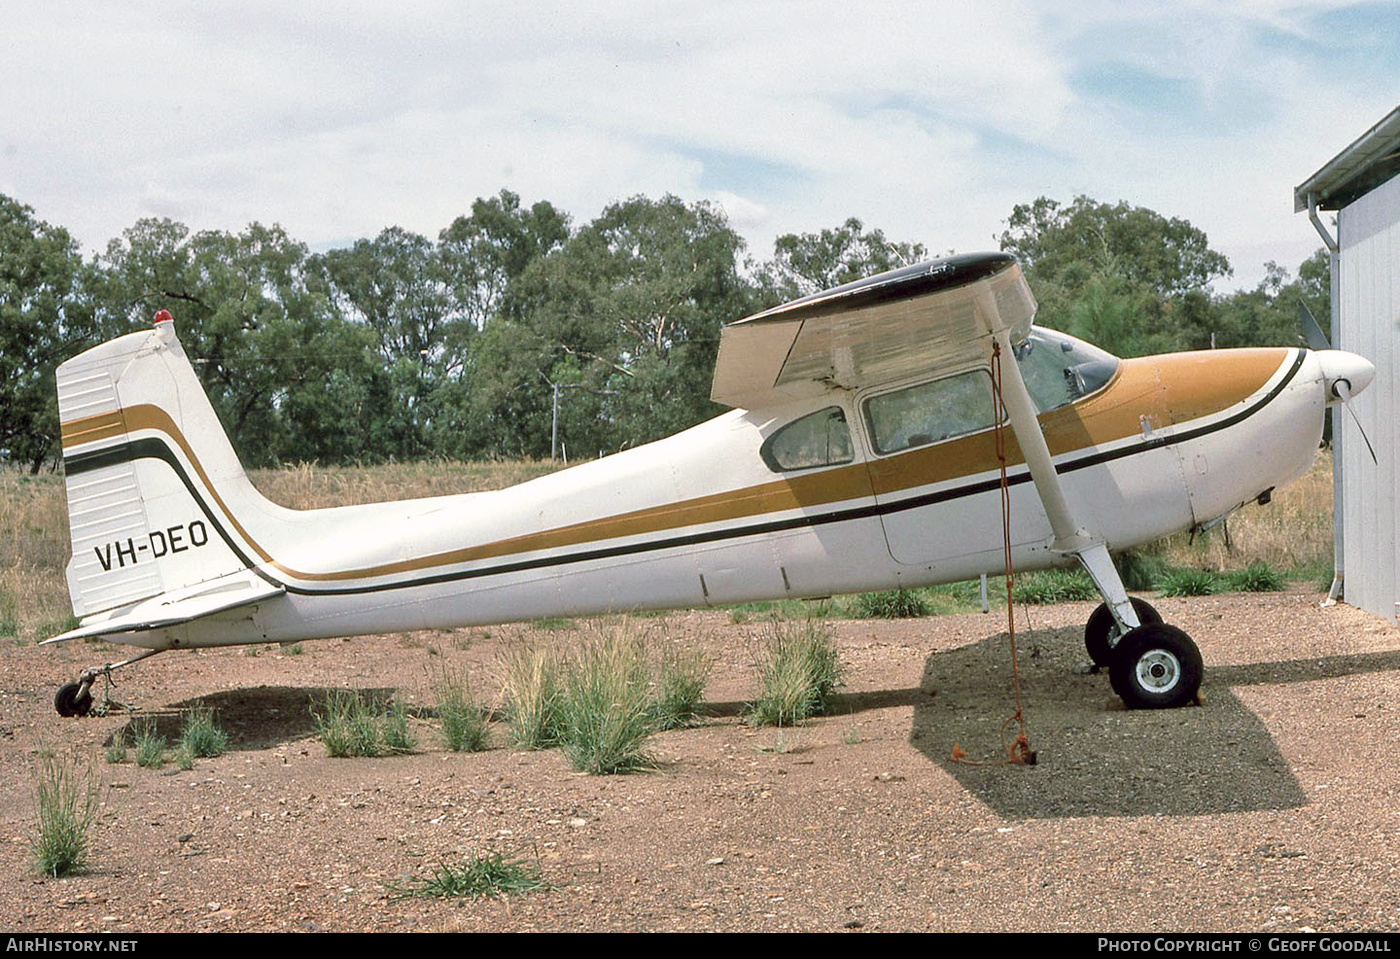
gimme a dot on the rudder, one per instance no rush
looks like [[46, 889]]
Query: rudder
[[154, 486]]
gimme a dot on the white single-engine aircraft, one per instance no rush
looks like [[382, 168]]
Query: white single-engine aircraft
[[860, 454]]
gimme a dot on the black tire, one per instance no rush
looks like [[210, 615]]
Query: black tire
[[72, 700], [1101, 632], [1156, 666]]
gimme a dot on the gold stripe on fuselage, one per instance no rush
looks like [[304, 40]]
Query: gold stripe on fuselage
[[1162, 391]]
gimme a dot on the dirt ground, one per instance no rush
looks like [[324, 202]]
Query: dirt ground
[[1273, 806]]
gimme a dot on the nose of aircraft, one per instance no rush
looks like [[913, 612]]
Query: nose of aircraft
[[1345, 374]]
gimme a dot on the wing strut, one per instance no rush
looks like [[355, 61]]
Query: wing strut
[[1070, 537]]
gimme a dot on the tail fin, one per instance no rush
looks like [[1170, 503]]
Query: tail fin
[[157, 500]]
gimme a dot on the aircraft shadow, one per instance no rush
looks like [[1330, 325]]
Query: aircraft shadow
[[260, 717], [1095, 758]]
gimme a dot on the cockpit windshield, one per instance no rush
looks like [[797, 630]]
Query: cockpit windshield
[[1059, 369]]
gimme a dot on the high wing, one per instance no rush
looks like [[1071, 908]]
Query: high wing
[[942, 316], [933, 317]]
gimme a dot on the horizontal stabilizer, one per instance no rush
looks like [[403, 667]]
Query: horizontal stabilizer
[[182, 606]]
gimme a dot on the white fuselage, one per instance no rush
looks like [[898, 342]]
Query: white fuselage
[[701, 519]]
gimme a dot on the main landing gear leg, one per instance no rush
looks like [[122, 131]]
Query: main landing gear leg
[[1150, 665], [75, 699]]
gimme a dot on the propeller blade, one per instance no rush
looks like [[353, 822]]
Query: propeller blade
[[1312, 330], [1343, 389]]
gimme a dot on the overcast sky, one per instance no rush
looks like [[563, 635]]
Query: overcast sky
[[929, 120]]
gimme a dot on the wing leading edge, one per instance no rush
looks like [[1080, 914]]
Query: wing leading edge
[[939, 315]]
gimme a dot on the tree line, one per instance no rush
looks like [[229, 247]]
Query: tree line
[[516, 332]]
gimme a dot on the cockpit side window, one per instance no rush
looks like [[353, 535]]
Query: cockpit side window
[[822, 438], [1059, 369], [930, 412]]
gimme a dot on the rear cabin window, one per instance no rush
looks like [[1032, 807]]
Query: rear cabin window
[[930, 412], [822, 438]]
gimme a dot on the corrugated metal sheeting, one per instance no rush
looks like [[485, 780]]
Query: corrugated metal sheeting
[[1368, 233]]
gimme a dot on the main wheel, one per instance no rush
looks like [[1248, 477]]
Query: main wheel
[[1156, 666], [72, 700], [1101, 632]]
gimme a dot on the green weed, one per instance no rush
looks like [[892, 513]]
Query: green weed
[[1048, 586], [475, 877], [890, 604], [1257, 577], [1187, 582]]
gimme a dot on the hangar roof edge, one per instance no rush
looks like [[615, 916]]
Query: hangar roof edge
[[1372, 159]]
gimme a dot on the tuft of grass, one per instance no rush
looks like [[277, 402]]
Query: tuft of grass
[[532, 688], [68, 794], [394, 731], [1140, 568], [9, 615], [964, 596], [351, 725], [1049, 586], [463, 718], [200, 735], [1257, 577], [346, 725], [680, 684], [890, 604], [553, 623], [150, 746], [606, 712], [293, 649], [475, 877], [798, 670], [117, 748], [1187, 582]]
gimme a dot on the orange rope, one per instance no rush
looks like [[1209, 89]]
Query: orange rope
[[1019, 750]]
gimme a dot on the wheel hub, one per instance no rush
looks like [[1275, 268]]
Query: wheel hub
[[1158, 671]]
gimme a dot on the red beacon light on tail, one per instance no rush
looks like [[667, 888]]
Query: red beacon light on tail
[[163, 316]]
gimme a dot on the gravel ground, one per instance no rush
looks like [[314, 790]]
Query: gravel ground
[[1272, 806]]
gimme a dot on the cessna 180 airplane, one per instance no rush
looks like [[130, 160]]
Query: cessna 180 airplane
[[860, 453]]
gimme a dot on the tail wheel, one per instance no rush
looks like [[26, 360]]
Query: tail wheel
[[1101, 633], [73, 699], [1156, 667]]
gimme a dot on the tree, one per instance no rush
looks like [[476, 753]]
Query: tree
[[44, 318], [1065, 244], [489, 250], [1127, 277], [1268, 314], [275, 359], [624, 318], [401, 288], [811, 262]]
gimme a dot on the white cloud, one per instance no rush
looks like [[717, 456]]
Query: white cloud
[[927, 121]]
